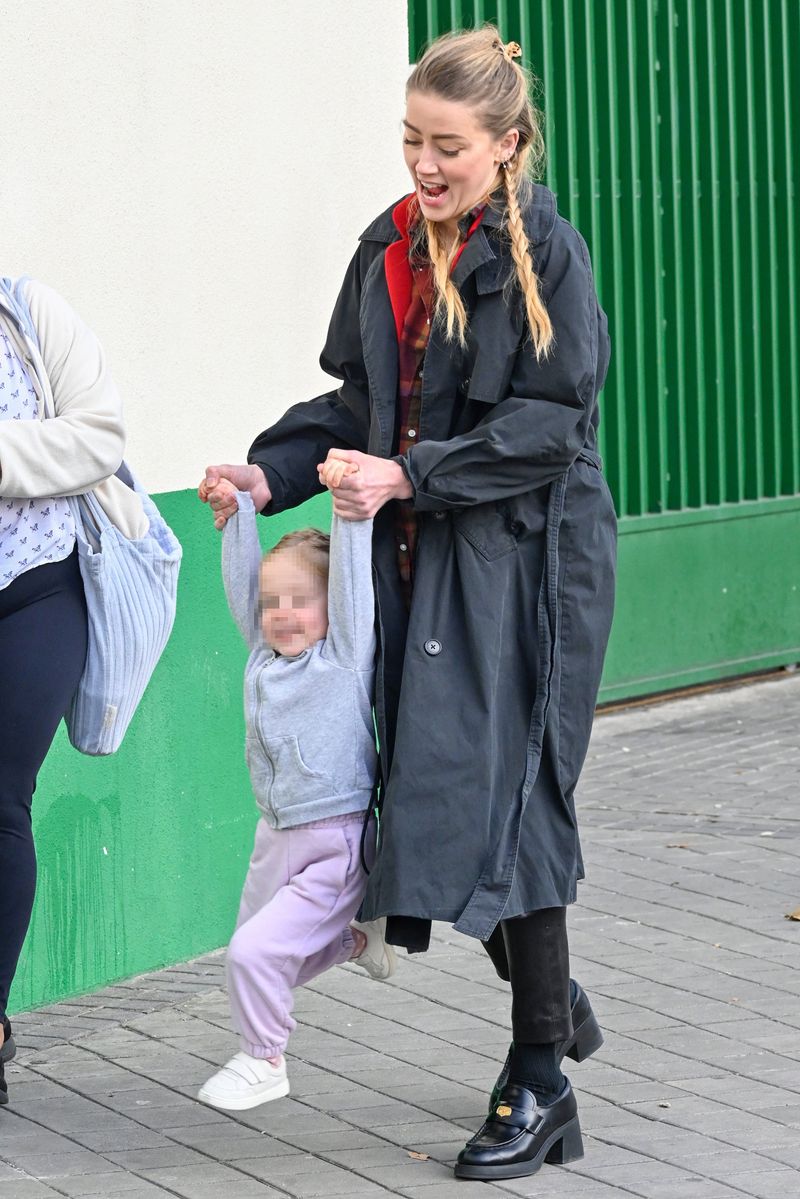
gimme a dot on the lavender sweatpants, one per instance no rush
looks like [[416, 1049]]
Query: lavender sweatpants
[[303, 888]]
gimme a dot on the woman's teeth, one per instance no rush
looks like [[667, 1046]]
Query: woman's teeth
[[433, 190]]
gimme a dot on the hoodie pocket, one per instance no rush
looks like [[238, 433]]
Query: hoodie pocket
[[293, 781]]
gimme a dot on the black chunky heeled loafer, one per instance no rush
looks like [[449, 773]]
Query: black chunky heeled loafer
[[519, 1136]]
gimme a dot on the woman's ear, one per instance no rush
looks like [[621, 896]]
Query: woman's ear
[[507, 146]]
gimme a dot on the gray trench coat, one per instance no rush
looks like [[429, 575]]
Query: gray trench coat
[[486, 688]]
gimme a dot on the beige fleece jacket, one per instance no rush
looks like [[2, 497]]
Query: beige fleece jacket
[[80, 448]]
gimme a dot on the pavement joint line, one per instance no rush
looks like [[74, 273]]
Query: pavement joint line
[[690, 869], [700, 966], [376, 1132], [583, 1089], [689, 1170], [735, 1008], [683, 886], [638, 975], [52, 1183], [165, 1133], [241, 1116], [667, 991], [787, 940], [103, 1153]]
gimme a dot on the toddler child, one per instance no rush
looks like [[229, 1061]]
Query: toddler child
[[306, 612]]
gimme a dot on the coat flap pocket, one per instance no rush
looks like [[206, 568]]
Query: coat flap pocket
[[487, 528], [491, 372]]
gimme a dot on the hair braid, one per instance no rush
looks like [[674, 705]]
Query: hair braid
[[538, 317], [449, 305]]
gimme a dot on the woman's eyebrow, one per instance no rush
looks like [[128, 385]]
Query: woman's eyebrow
[[437, 136]]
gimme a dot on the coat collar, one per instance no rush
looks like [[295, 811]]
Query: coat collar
[[482, 255], [539, 214]]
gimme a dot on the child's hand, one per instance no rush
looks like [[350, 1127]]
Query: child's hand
[[334, 470], [220, 493], [221, 483]]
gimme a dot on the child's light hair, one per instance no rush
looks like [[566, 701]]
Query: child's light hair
[[314, 545], [476, 68]]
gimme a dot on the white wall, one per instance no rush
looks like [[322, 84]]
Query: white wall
[[193, 176]]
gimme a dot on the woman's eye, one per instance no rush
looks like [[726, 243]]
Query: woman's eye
[[271, 601], [407, 141], [450, 153]]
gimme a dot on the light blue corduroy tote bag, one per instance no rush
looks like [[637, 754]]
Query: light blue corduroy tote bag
[[131, 589]]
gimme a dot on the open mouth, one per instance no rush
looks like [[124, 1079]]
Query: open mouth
[[433, 191]]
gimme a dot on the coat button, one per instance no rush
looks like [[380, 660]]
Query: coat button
[[439, 515], [433, 647]]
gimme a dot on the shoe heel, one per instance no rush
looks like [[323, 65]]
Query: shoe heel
[[569, 1146], [588, 1039]]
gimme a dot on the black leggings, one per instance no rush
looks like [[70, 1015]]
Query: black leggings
[[532, 953], [42, 652]]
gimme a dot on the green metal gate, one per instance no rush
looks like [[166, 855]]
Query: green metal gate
[[672, 131]]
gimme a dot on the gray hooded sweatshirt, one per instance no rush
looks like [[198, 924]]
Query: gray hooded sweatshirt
[[310, 735]]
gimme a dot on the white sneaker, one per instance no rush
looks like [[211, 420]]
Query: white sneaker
[[244, 1082], [377, 958]]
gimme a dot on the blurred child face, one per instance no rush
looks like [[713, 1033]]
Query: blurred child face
[[293, 601]]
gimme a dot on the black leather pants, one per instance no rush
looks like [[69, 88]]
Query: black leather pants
[[532, 953]]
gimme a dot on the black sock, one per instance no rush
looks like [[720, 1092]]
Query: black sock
[[573, 992], [536, 1068]]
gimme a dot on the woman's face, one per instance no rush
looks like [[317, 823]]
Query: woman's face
[[452, 159]]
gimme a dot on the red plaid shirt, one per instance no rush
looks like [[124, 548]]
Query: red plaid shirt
[[412, 345]]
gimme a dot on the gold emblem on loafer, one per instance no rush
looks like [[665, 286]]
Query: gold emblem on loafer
[[503, 1110]]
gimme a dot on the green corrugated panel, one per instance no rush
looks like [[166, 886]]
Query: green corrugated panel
[[672, 130]]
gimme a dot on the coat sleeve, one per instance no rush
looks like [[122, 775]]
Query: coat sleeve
[[83, 445], [241, 561], [535, 432], [289, 451], [350, 640]]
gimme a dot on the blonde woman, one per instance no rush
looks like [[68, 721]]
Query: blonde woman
[[471, 350]]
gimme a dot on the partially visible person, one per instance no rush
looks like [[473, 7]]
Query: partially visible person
[[306, 612], [43, 630]]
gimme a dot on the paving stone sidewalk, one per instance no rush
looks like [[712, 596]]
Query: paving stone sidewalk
[[691, 828]]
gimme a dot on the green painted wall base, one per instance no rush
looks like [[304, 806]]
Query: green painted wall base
[[142, 856], [703, 595]]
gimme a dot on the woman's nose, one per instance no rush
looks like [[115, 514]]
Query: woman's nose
[[425, 164]]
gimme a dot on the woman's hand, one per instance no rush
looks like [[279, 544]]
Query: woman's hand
[[221, 483], [359, 494]]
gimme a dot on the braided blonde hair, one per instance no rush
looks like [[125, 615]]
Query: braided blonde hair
[[476, 68]]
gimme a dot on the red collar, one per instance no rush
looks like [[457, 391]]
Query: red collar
[[396, 263]]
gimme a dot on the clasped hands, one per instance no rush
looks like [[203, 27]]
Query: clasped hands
[[359, 483], [362, 483]]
